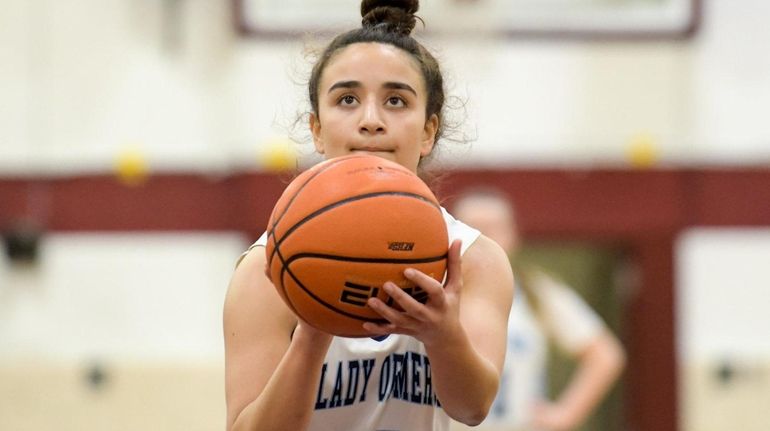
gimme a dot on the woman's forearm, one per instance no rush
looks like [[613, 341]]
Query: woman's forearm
[[287, 400], [465, 382], [598, 369]]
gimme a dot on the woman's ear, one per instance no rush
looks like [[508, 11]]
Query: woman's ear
[[429, 135], [315, 129]]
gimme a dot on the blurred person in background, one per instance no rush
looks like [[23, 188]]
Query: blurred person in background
[[544, 310]]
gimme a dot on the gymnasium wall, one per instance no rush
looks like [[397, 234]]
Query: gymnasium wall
[[722, 344], [84, 80], [116, 331]]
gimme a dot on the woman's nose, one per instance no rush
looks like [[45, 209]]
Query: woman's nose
[[371, 119]]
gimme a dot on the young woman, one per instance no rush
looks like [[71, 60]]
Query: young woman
[[546, 312], [374, 90]]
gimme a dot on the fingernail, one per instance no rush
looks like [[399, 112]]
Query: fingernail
[[409, 272]]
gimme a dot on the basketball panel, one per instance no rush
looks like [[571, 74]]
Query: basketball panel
[[386, 227], [339, 179], [324, 291]]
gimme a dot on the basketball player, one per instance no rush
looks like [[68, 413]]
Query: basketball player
[[545, 310], [374, 90]]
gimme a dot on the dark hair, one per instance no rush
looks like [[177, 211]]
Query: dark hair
[[389, 22]]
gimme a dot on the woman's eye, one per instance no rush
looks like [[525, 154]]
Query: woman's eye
[[347, 100], [396, 101]]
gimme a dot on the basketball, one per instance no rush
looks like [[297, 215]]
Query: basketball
[[344, 227]]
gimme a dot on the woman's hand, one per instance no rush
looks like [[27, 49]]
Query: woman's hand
[[552, 417], [431, 322], [470, 337]]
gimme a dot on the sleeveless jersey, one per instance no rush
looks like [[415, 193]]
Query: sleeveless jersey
[[563, 318], [382, 384]]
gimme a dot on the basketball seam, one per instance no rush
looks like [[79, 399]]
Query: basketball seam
[[322, 302], [271, 229], [365, 259], [342, 202], [286, 269], [280, 281]]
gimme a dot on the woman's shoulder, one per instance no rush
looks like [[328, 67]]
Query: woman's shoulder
[[252, 294], [487, 270], [480, 254], [487, 254], [260, 242]]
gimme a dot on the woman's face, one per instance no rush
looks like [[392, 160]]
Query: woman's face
[[493, 217], [371, 99]]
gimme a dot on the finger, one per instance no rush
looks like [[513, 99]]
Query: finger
[[431, 286], [388, 313], [408, 303], [454, 267], [425, 281]]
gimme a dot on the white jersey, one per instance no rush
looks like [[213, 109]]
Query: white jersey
[[382, 384], [562, 317]]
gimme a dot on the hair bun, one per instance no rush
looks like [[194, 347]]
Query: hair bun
[[395, 15]]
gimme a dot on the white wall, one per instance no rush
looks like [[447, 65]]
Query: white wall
[[723, 329], [146, 309], [722, 276], [119, 298], [82, 80]]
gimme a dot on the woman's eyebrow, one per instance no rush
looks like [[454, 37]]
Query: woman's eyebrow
[[391, 85], [344, 84], [399, 86]]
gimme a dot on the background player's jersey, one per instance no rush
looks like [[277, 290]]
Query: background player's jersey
[[562, 317], [381, 384]]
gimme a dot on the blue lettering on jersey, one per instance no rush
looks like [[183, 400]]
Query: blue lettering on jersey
[[346, 382], [428, 397], [428, 394], [321, 403], [399, 376], [336, 399], [407, 377], [352, 391], [384, 389], [416, 365], [368, 367], [402, 376]]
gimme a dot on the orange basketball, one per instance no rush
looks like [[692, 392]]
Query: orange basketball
[[342, 229]]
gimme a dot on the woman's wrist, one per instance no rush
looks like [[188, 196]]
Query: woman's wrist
[[307, 337]]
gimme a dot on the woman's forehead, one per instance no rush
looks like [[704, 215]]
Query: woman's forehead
[[372, 62]]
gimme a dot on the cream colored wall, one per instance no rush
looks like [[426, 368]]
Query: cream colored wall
[[723, 352], [145, 308], [162, 397], [711, 404], [152, 297]]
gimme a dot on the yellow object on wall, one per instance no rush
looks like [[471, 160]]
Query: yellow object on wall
[[642, 150], [277, 155], [131, 167]]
